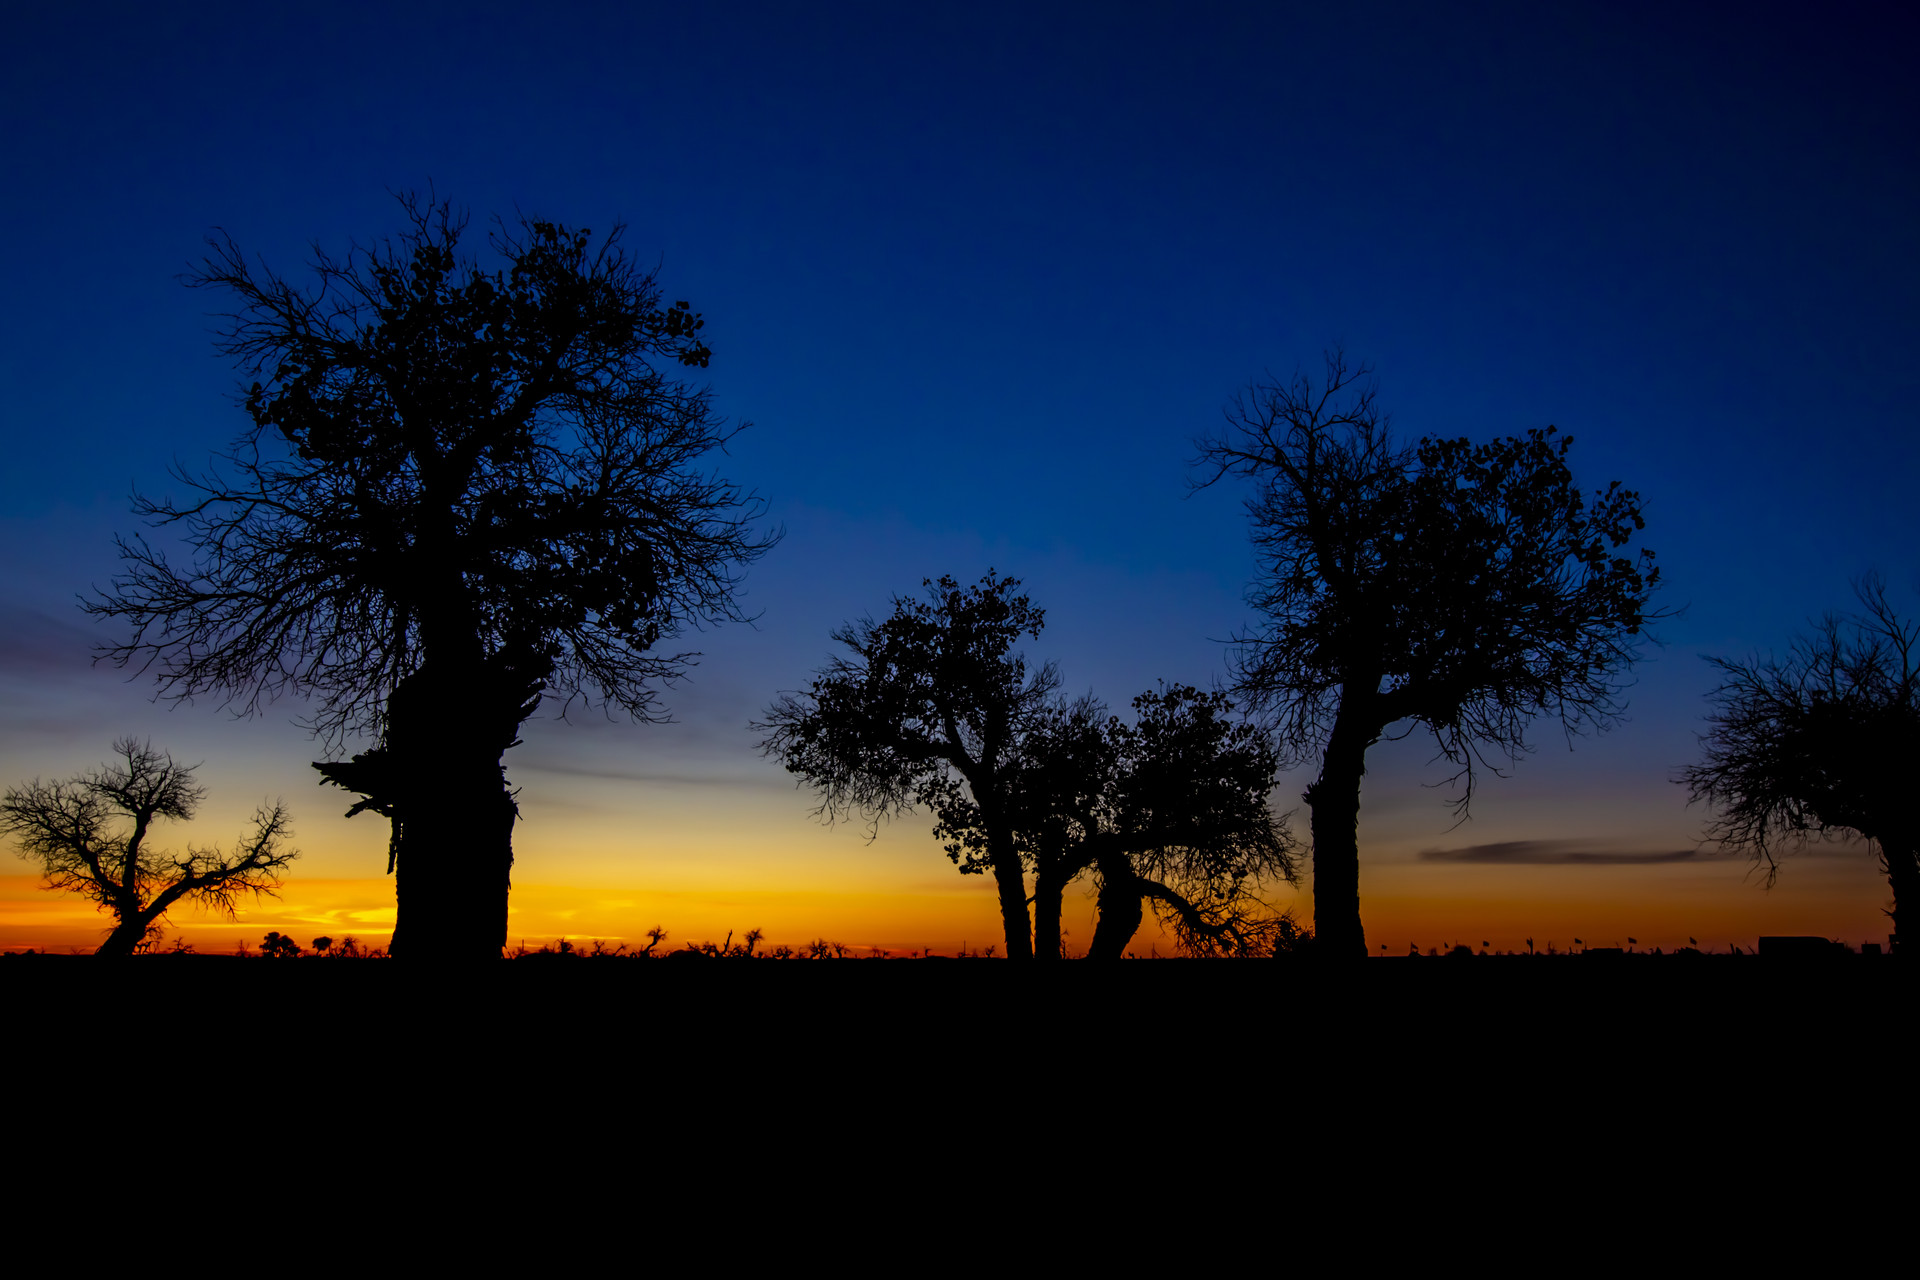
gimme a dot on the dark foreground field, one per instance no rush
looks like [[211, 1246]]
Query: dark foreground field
[[1492, 1005], [1276, 1070]]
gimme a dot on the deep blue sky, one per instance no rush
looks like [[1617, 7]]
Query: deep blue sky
[[979, 277]]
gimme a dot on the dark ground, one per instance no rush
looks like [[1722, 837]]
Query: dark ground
[[1671, 1071], [1494, 1006]]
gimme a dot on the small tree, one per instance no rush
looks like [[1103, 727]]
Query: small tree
[[465, 488], [1459, 588], [930, 710], [91, 835], [1820, 743]]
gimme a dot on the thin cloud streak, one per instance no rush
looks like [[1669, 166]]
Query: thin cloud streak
[[1556, 853]]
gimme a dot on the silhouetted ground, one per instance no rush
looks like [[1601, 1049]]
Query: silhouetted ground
[[1492, 1005], [1265, 1078]]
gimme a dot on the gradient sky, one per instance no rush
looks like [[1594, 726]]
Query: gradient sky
[[977, 278]]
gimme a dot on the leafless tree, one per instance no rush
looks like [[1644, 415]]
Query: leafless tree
[[92, 835]]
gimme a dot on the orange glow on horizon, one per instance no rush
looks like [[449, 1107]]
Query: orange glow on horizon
[[1403, 903]]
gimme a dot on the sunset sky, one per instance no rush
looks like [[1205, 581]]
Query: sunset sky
[[977, 278]]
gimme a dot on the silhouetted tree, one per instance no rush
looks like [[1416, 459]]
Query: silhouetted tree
[[1821, 742], [936, 710], [930, 710], [1169, 810], [278, 946], [92, 835], [1460, 588], [464, 489]]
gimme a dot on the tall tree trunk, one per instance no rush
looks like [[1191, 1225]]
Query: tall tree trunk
[[1335, 799], [1012, 884], [1119, 906]]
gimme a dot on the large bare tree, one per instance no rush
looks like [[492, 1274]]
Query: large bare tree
[[1458, 588], [466, 487]]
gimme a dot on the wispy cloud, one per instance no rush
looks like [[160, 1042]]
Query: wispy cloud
[[1550, 853]]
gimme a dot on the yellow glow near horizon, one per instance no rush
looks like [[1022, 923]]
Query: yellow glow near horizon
[[608, 860], [916, 908]]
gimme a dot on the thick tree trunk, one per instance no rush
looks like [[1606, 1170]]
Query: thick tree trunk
[[455, 858], [1335, 799], [452, 872], [1119, 906], [438, 776]]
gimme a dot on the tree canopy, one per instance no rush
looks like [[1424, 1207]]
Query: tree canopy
[[500, 453], [1456, 587], [93, 835]]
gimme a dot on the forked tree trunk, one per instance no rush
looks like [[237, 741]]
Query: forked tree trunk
[[1335, 799]]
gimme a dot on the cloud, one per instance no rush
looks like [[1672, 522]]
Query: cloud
[[1556, 853]]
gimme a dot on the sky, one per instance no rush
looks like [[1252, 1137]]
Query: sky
[[977, 276]]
